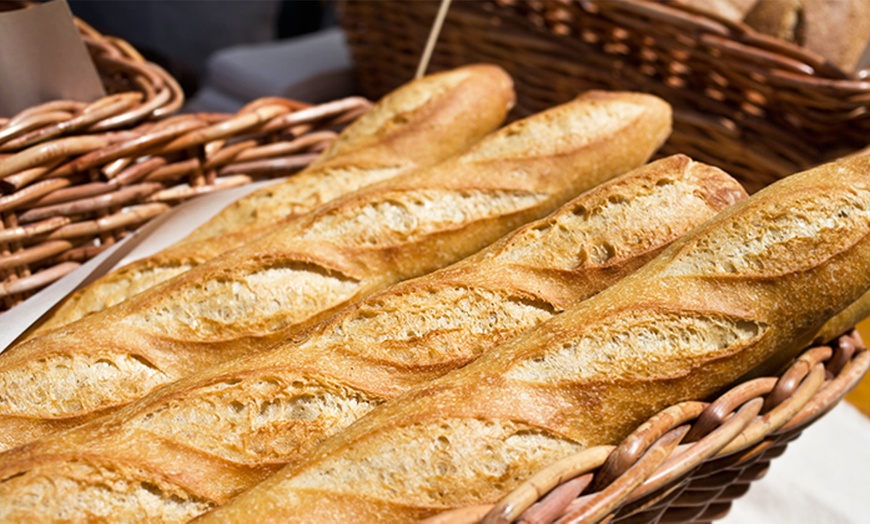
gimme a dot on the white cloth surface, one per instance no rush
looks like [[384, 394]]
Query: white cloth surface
[[822, 478]]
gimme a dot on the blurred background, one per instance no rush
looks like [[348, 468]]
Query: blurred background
[[229, 52]]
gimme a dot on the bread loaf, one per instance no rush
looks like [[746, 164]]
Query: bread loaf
[[838, 30], [777, 18], [835, 30], [447, 111], [417, 125], [263, 292], [745, 290], [231, 425]]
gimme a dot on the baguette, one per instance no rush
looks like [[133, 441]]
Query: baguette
[[418, 125], [838, 30], [360, 357], [264, 292], [745, 290], [449, 111]]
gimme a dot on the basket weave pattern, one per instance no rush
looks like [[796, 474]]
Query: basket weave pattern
[[690, 461], [755, 106]]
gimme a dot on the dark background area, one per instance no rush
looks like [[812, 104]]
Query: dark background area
[[181, 35]]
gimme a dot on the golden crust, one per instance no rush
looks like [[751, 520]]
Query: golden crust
[[738, 295], [268, 410], [449, 111], [266, 291]]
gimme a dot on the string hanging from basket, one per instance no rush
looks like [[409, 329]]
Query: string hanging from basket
[[433, 38]]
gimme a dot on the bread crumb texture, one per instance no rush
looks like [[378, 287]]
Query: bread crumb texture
[[68, 383], [655, 211], [439, 324], [397, 217], [80, 491], [264, 300], [639, 344], [786, 236], [256, 419], [113, 291], [447, 463], [273, 298]]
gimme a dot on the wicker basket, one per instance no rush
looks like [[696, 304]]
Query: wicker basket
[[755, 106], [76, 177], [691, 460]]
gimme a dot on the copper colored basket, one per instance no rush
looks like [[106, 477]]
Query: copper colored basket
[[690, 461], [755, 106]]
